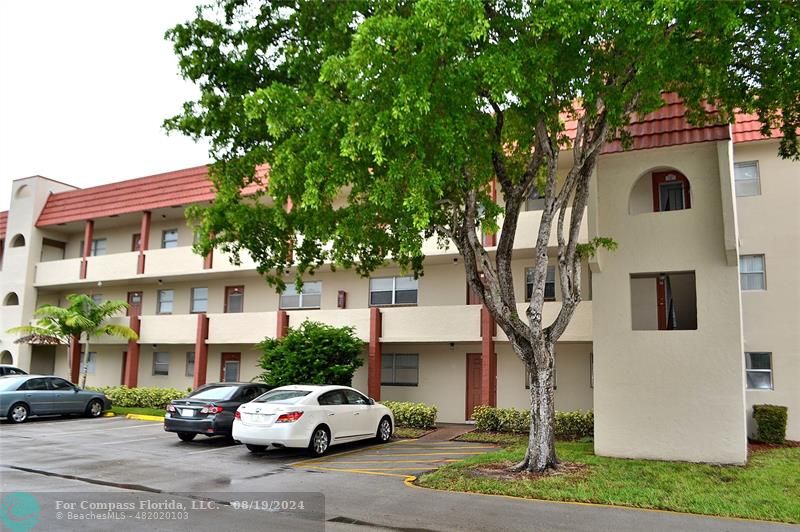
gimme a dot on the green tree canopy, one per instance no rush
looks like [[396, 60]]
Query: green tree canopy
[[383, 123], [313, 353]]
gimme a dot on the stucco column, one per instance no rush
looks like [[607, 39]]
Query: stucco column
[[144, 240], [131, 378], [374, 356], [74, 359], [283, 324], [88, 235], [201, 351], [488, 359]]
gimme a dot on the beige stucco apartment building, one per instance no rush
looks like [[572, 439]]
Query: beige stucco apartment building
[[688, 324]]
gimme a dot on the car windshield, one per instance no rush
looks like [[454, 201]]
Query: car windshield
[[10, 383], [284, 397], [215, 393]]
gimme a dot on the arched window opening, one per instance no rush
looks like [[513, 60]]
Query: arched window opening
[[660, 191], [6, 358], [11, 299], [18, 241]]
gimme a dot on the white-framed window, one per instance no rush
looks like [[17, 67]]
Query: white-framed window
[[393, 291], [528, 376], [759, 371], [160, 363], [199, 301], [535, 201], [747, 178], [309, 297], [166, 300], [90, 366], [169, 238], [190, 364], [99, 247], [399, 369], [549, 284], [752, 272]]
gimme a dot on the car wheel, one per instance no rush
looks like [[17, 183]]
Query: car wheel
[[18, 413], [384, 433], [186, 436], [255, 448], [94, 408], [320, 440]]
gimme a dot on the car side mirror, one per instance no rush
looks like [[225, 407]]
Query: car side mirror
[[371, 401], [76, 389]]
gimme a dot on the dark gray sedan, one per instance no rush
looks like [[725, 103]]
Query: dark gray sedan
[[23, 396]]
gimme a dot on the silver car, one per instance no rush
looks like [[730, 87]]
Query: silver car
[[23, 396]]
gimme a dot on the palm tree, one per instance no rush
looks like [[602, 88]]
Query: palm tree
[[82, 318]]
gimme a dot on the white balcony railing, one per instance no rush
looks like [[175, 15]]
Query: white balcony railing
[[168, 329], [57, 272], [578, 330], [357, 318], [241, 328], [451, 323]]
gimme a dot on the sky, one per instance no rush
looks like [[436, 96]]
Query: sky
[[84, 88]]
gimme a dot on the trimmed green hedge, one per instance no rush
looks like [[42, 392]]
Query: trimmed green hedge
[[568, 425], [414, 415], [771, 421], [141, 397]]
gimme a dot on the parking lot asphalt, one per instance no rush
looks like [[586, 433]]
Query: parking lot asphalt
[[364, 485]]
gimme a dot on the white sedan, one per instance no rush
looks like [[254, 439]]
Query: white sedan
[[315, 417]]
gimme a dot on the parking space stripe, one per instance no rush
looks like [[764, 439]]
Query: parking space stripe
[[212, 450], [128, 441], [137, 426]]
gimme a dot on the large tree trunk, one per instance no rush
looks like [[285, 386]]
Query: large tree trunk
[[541, 452]]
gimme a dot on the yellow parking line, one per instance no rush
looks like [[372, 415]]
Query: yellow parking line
[[423, 454], [363, 472], [377, 469], [345, 453], [334, 462]]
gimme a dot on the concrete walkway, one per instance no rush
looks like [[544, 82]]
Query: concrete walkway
[[447, 432]]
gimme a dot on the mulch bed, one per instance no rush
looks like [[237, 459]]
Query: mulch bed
[[760, 447], [502, 470]]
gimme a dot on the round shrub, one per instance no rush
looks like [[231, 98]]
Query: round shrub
[[771, 421], [413, 415]]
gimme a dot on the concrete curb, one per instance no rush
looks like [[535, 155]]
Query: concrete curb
[[142, 417]]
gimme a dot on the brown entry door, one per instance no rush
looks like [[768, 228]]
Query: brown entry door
[[229, 367], [473, 382], [135, 302]]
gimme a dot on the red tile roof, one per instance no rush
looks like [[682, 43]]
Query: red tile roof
[[747, 129], [663, 127], [3, 223], [181, 187]]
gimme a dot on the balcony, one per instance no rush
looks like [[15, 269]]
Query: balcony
[[115, 340], [357, 318], [172, 261], [108, 267], [451, 323], [240, 328], [578, 330], [168, 329], [57, 272]]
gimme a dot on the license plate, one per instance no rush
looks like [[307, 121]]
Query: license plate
[[187, 412]]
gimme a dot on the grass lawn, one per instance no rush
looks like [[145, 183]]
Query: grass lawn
[[767, 488], [408, 432], [122, 410]]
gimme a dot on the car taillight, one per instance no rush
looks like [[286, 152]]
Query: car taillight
[[237, 415], [289, 417], [170, 408], [211, 409]]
